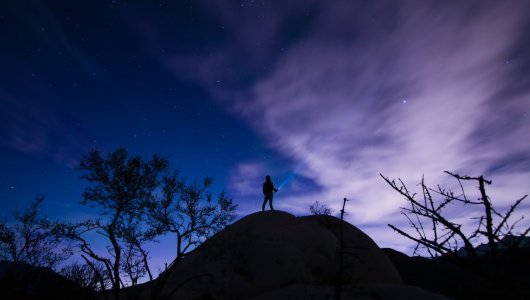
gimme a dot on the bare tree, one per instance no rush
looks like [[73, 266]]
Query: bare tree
[[133, 265], [30, 240], [190, 213], [84, 276], [438, 235], [121, 186], [138, 200], [319, 208], [100, 264], [136, 262]]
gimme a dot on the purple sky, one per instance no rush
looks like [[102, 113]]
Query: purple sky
[[335, 92], [403, 89]]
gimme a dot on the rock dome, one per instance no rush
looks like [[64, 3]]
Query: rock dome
[[275, 255]]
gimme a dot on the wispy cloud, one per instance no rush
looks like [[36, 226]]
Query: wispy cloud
[[244, 183], [246, 178], [32, 129], [402, 89]]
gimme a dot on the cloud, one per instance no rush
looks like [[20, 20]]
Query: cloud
[[400, 89], [34, 130], [244, 184], [246, 178]]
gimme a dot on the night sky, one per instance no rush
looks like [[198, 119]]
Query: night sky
[[334, 92]]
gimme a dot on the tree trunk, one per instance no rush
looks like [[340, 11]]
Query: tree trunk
[[117, 258], [489, 220]]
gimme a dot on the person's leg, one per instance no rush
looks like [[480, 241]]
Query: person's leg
[[264, 201], [270, 201]]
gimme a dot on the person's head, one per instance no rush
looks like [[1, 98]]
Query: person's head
[[268, 178]]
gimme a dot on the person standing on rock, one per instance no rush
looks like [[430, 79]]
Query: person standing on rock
[[268, 189]]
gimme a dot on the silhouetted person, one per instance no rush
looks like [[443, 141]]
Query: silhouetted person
[[268, 189]]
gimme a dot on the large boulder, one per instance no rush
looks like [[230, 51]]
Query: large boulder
[[275, 255]]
